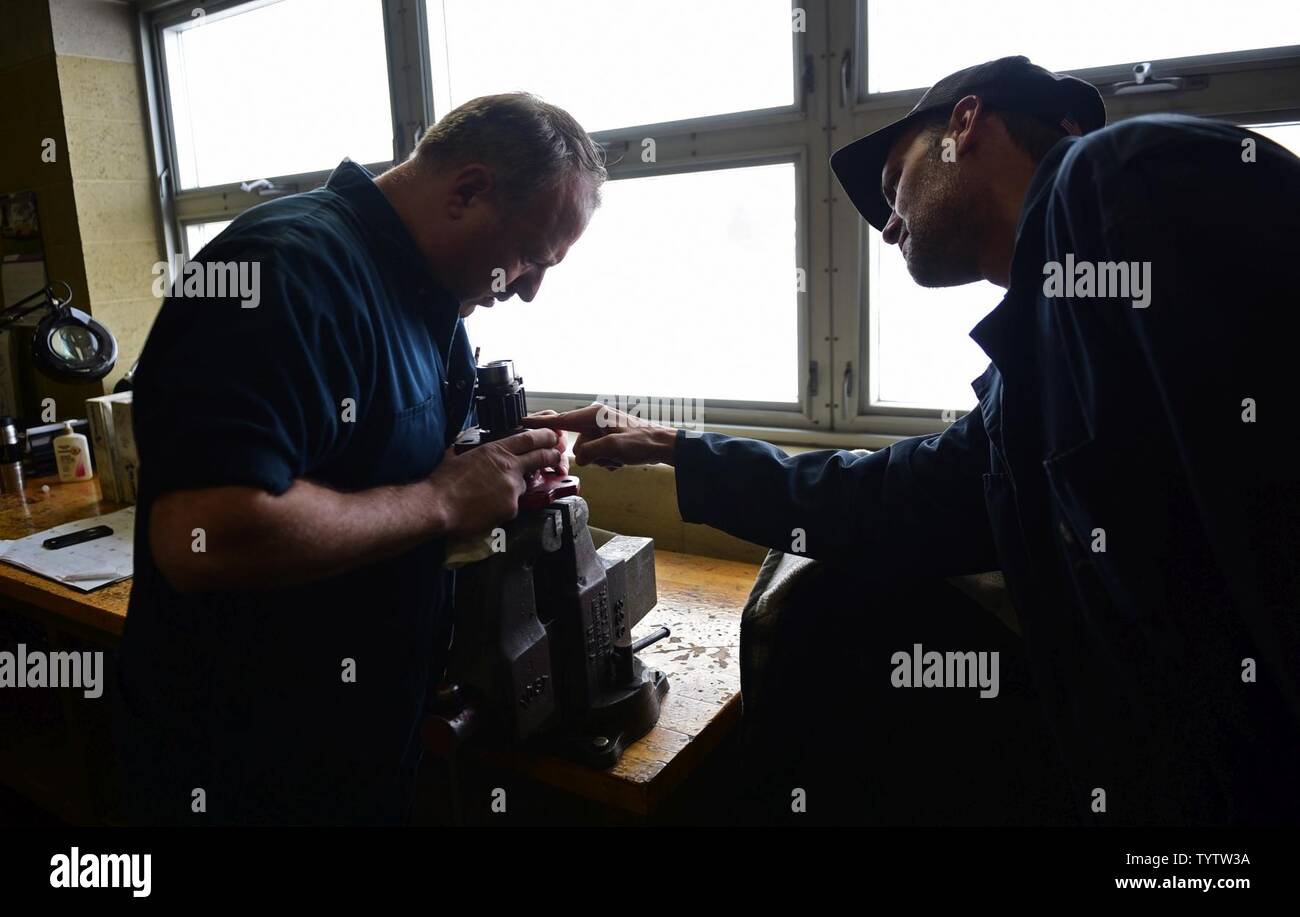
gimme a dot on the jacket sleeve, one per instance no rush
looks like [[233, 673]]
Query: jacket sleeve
[[914, 508]]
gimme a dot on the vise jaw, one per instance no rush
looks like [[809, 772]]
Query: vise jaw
[[543, 647]]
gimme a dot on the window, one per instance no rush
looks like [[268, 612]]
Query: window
[[686, 283], [666, 297], [956, 34], [670, 60], [922, 355], [701, 107], [197, 235], [903, 352], [1288, 135], [725, 267], [277, 89]]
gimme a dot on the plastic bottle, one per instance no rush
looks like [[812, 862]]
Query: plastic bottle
[[11, 457], [72, 452]]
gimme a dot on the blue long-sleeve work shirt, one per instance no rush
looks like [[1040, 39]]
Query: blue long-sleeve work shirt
[[1128, 468]]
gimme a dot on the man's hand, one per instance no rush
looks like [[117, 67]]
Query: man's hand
[[481, 488], [611, 438], [562, 445], [255, 540]]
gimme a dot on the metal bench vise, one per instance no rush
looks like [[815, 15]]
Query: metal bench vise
[[543, 647]]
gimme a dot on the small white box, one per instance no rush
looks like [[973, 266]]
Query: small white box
[[126, 458]]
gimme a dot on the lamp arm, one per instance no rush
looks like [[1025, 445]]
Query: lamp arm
[[47, 297]]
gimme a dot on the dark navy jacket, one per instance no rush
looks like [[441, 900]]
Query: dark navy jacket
[[242, 693], [1129, 469]]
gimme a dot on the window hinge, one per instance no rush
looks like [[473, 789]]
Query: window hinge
[[846, 71]]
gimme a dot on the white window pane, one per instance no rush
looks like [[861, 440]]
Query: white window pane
[[198, 235], [910, 45], [616, 65], [922, 354], [292, 86], [1287, 135], [683, 286]]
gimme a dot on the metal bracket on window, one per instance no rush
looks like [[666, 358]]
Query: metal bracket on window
[[848, 389], [1144, 82], [264, 187]]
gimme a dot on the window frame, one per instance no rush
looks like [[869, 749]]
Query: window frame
[[403, 42], [1252, 86], [727, 412], [1102, 77], [789, 133], [831, 107]]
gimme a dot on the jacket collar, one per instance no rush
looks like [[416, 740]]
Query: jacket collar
[[1006, 333]]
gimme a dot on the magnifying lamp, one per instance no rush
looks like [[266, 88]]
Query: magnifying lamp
[[69, 345]]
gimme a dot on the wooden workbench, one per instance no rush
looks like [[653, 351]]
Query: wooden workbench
[[700, 600], [34, 510]]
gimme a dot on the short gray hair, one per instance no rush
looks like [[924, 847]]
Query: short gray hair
[[532, 144]]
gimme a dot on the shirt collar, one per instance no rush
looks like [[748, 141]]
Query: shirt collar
[[390, 241], [998, 330]]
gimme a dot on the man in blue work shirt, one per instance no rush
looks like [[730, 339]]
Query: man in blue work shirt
[[1124, 468], [290, 608]]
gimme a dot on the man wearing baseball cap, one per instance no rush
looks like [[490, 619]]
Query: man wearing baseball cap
[[1123, 469]]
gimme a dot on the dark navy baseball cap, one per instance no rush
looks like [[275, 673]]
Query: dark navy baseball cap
[[1008, 83]]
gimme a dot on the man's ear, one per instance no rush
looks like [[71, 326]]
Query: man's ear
[[471, 184], [963, 124]]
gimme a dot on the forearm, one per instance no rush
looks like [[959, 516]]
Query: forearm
[[899, 511], [246, 538], [754, 491]]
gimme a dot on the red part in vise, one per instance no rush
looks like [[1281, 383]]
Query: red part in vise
[[545, 487]]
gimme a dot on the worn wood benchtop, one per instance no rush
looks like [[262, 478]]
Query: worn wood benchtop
[[700, 601]]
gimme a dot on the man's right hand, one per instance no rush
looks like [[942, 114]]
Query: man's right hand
[[480, 489]]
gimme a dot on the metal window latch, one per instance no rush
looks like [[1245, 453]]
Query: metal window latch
[[809, 74], [848, 389], [264, 187], [1144, 82], [812, 378]]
